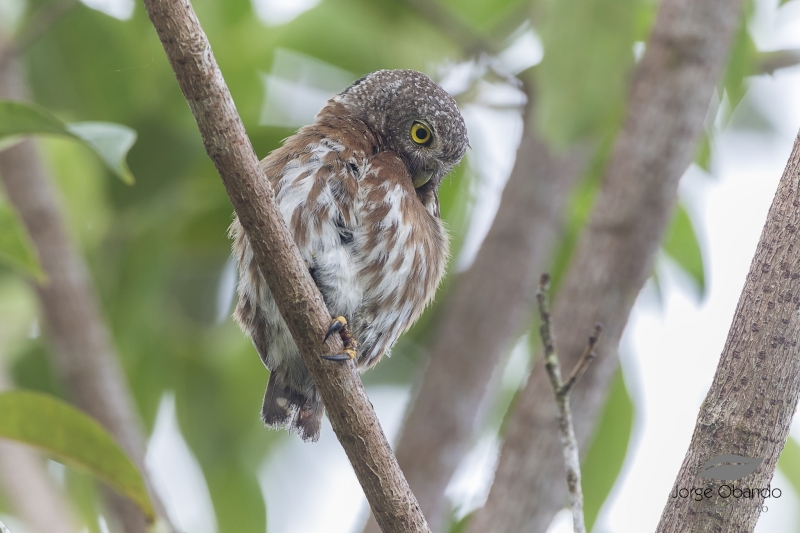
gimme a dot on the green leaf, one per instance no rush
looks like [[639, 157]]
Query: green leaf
[[17, 118], [16, 248], [702, 154], [742, 63], [110, 142], [607, 453], [74, 438], [459, 526], [681, 244], [789, 463]]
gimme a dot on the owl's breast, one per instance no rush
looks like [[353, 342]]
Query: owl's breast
[[403, 250]]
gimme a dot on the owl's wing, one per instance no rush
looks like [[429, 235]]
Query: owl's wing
[[316, 185]]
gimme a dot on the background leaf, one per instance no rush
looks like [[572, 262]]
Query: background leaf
[[742, 60], [16, 249], [681, 244], [110, 141], [606, 455], [73, 437], [702, 156], [17, 118], [789, 463]]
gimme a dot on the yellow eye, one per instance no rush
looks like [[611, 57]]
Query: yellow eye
[[421, 134]]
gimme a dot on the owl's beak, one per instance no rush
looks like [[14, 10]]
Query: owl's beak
[[421, 177]]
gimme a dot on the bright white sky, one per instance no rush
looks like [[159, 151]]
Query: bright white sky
[[670, 350]]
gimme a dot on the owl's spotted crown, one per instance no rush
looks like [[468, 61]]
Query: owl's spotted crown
[[391, 101]]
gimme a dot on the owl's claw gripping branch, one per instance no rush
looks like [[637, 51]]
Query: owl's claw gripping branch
[[339, 325]]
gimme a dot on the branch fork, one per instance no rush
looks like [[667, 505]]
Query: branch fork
[[561, 390]]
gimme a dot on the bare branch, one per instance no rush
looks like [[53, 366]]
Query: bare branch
[[586, 359], [547, 335], [770, 62], [749, 408], [669, 97], [298, 299], [566, 430]]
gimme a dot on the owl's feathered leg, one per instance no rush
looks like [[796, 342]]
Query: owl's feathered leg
[[339, 325]]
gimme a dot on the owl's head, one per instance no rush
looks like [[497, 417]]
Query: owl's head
[[412, 116]]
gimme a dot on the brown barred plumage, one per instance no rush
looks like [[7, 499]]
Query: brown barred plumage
[[374, 243]]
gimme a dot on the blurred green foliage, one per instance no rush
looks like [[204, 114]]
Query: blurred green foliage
[[73, 437], [16, 250], [681, 244], [584, 74], [605, 456], [789, 463], [157, 250]]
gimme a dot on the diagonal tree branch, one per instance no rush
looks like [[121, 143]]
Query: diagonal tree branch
[[298, 299], [749, 408], [82, 347], [669, 97]]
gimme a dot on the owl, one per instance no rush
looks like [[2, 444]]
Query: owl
[[358, 190]]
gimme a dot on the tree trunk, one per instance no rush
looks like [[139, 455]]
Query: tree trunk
[[669, 98], [748, 410]]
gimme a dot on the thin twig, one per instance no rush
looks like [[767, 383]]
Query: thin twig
[[585, 360], [566, 430], [769, 62]]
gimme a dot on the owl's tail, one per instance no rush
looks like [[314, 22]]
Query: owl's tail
[[284, 407]]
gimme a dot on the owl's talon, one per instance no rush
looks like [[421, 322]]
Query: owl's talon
[[347, 355], [338, 324]]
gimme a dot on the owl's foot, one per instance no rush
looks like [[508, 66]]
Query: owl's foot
[[339, 325]]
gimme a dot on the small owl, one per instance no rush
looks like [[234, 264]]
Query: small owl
[[358, 189]]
